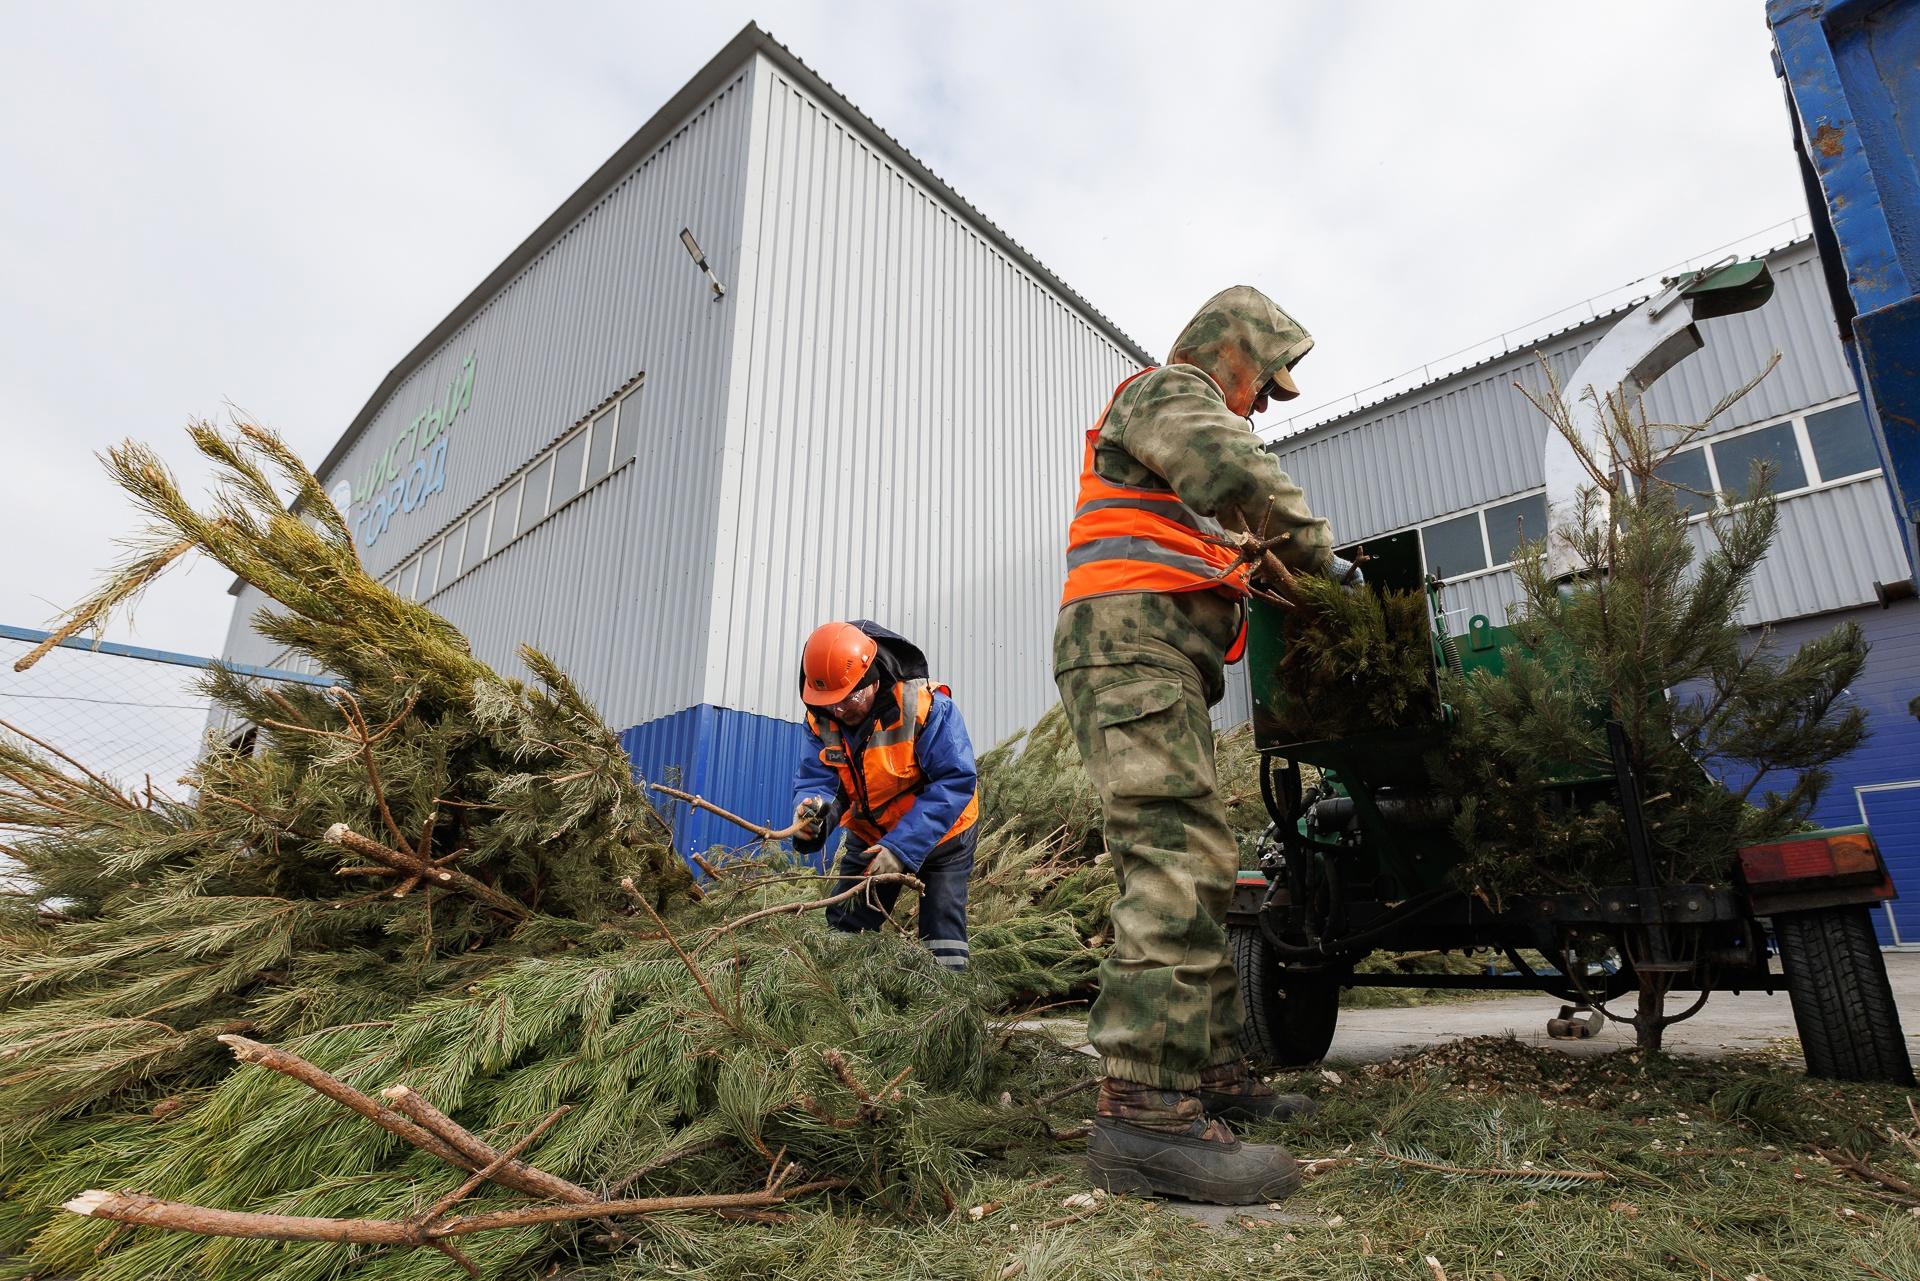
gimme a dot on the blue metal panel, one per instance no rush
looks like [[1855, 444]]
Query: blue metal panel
[[1894, 815], [1867, 786], [1853, 74], [739, 761], [35, 636]]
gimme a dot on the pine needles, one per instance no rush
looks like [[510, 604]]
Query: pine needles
[[1354, 661], [435, 877]]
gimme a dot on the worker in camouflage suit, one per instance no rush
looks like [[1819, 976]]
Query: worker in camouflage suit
[[1154, 608]]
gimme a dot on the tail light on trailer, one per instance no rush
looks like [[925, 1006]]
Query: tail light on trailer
[[1846, 857]]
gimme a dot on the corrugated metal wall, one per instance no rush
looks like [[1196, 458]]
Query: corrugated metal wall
[[615, 586], [1472, 438], [1880, 783], [908, 432]]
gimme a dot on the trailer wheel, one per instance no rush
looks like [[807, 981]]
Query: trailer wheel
[[1842, 1003], [1290, 1011]]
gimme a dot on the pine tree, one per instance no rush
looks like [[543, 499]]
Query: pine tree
[[1651, 637]]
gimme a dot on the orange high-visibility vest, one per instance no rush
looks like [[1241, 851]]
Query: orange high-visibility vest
[[883, 789], [1126, 539]]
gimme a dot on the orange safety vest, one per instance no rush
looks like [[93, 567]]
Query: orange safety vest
[[1124, 539], [889, 780]]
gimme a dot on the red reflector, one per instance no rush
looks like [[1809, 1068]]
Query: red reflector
[[1847, 854], [1806, 858], [1853, 853]]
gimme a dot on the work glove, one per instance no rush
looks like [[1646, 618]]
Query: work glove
[[807, 815], [882, 861], [1344, 572]]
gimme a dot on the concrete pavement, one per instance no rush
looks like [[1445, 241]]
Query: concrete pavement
[[1728, 1024]]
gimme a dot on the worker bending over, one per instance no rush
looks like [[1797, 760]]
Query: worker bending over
[[1154, 607], [887, 757]]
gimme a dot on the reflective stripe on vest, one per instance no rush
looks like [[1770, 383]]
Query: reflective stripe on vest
[[889, 780], [1144, 539]]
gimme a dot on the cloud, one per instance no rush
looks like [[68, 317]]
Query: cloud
[[270, 205]]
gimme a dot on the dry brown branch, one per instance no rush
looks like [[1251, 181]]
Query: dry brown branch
[[1049, 1100], [350, 709], [324, 1083], [413, 866], [1494, 1172], [1855, 1166], [480, 1154], [1075, 1217], [145, 1211], [810, 905], [763, 832], [458, 1255], [837, 1062], [1869, 1268], [491, 1168], [706, 989]]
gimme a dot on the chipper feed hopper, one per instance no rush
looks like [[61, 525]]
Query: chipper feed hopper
[[1364, 859]]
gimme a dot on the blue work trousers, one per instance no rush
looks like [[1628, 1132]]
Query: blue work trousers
[[943, 904]]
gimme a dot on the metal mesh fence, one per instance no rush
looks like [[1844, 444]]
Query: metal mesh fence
[[129, 714]]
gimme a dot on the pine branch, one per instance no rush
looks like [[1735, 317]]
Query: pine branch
[[152, 1212], [415, 866], [863, 885], [477, 1154], [1492, 1172]]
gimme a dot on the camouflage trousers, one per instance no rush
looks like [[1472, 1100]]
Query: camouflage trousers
[[1169, 1002]]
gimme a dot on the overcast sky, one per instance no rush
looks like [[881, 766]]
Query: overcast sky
[[268, 205]]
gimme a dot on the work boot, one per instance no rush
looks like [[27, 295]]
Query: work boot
[[1233, 1091], [1155, 1142]]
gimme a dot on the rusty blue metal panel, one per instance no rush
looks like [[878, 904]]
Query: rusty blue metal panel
[[1852, 69]]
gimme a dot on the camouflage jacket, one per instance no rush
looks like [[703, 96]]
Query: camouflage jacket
[[1177, 426]]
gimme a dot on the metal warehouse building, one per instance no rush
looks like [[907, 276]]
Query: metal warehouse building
[[1461, 459], [666, 486]]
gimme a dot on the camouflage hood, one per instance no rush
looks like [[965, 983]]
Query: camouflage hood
[[1238, 339]]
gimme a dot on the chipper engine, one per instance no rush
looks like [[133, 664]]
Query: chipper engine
[[1362, 852]]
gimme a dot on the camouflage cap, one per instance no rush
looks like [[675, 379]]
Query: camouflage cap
[[1242, 340]]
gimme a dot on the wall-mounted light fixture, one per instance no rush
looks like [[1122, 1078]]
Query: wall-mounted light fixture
[[700, 261]]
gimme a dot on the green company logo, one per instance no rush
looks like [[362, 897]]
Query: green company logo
[[413, 468]]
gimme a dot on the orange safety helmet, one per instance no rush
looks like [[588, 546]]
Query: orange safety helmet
[[835, 661]]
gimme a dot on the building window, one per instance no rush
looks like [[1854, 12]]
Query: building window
[[1687, 476], [1454, 547], [430, 568], [594, 449], [533, 503], [1737, 457], [600, 450], [506, 516], [1842, 442], [569, 466], [1516, 521]]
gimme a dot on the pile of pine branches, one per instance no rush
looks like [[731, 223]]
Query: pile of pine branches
[[414, 972]]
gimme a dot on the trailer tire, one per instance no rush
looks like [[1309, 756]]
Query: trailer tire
[[1291, 1011], [1842, 1003]]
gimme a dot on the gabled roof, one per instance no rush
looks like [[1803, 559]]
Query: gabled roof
[[658, 128]]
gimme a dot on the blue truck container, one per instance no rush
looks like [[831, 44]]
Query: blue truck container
[[1852, 74]]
